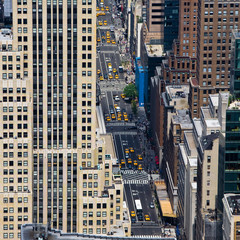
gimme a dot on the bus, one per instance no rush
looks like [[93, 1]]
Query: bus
[[138, 206]]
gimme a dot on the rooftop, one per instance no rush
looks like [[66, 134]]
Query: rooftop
[[212, 123], [198, 126], [194, 185], [154, 50], [235, 105], [206, 112], [214, 99], [233, 201], [183, 119], [5, 34], [190, 142], [236, 34], [193, 162], [178, 91], [207, 141], [39, 231]]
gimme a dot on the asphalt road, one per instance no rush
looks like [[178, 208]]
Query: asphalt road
[[136, 183], [125, 134]]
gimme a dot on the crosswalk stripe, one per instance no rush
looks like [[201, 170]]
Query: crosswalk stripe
[[126, 133], [120, 124], [135, 177]]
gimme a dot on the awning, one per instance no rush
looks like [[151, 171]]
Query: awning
[[166, 209]]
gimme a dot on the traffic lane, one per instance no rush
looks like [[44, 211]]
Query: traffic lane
[[145, 195], [111, 58], [103, 64], [132, 142], [122, 103], [110, 99], [128, 195], [112, 48], [119, 147], [145, 230], [104, 104], [108, 18]]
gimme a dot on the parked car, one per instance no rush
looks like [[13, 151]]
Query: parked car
[[117, 98], [151, 205]]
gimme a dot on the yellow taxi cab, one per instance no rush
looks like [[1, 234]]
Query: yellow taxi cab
[[105, 22], [100, 23], [102, 9], [98, 14], [98, 9], [109, 64], [122, 161], [133, 214], [115, 105], [102, 1], [113, 116], [108, 119], [129, 160], [140, 167], [101, 78], [119, 118], [124, 114], [98, 71], [113, 42], [103, 37], [110, 76], [107, 8], [135, 163], [147, 218], [123, 95], [139, 157], [98, 40], [131, 149], [103, 14], [125, 119], [116, 76], [126, 150], [114, 70], [108, 41]]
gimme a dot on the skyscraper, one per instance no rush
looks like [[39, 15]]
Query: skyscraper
[[216, 20], [50, 123]]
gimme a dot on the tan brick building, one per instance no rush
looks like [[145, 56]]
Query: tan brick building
[[55, 167]]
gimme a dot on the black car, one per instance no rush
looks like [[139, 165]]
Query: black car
[[130, 116], [133, 219], [140, 217], [111, 109], [127, 99], [105, 76]]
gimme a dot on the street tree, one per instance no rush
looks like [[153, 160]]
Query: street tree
[[134, 107], [130, 91]]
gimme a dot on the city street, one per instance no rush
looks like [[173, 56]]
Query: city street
[[135, 164]]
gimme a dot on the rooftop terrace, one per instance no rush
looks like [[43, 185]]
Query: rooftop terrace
[[154, 50]]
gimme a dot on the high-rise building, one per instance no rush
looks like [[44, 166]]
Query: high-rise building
[[56, 169], [207, 131], [231, 216], [16, 194], [217, 19], [179, 64], [153, 28], [230, 137], [171, 20]]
